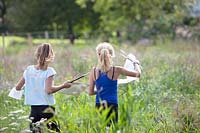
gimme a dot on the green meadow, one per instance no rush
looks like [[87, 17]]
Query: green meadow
[[166, 100]]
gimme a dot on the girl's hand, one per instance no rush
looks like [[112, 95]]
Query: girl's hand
[[137, 66], [67, 84], [137, 62]]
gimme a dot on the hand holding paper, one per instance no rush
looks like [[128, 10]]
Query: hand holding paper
[[15, 93], [129, 65]]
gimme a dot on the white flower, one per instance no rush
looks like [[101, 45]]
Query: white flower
[[23, 117], [26, 131], [17, 111], [13, 124], [3, 129], [3, 118]]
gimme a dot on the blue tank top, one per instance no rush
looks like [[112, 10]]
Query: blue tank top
[[106, 89]]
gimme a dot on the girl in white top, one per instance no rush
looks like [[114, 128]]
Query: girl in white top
[[39, 88]]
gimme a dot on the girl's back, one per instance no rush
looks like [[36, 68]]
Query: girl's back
[[35, 79], [106, 86]]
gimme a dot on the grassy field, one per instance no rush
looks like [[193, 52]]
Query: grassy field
[[166, 100]]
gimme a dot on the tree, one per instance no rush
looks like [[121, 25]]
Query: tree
[[62, 15], [2, 10], [136, 18]]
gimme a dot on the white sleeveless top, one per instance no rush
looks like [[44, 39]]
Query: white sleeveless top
[[35, 93]]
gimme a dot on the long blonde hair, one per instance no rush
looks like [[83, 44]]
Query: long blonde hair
[[105, 52], [44, 54]]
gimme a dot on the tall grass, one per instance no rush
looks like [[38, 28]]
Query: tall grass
[[165, 100]]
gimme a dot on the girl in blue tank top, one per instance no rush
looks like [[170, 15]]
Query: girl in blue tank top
[[104, 78]]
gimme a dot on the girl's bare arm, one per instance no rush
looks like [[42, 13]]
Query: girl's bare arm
[[50, 88], [126, 72], [20, 84], [91, 90]]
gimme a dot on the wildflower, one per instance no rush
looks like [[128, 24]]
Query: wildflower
[[26, 131], [28, 120], [3, 118], [3, 129], [14, 124], [23, 117], [31, 118], [17, 111], [11, 115], [41, 121]]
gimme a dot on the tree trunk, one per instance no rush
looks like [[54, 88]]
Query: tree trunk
[[3, 10], [71, 32]]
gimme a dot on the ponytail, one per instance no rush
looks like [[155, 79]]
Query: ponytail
[[105, 52], [104, 60], [44, 54]]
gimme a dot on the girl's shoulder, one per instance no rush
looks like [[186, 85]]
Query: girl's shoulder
[[30, 67], [117, 68], [50, 69]]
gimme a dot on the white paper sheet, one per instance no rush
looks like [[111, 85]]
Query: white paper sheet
[[129, 66], [15, 93]]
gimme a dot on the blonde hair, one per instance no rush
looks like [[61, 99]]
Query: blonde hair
[[44, 54], [105, 52]]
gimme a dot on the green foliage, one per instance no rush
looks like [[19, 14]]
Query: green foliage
[[50, 15], [138, 18], [13, 115], [132, 19]]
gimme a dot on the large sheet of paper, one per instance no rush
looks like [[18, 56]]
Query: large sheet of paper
[[129, 66], [15, 93]]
